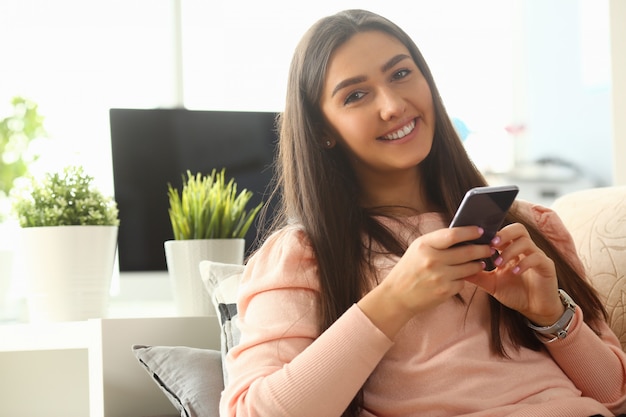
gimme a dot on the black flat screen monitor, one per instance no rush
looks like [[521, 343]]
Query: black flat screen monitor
[[154, 147]]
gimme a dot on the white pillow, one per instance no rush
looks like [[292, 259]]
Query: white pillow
[[222, 283]]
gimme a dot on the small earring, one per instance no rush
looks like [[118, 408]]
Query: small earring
[[328, 143]]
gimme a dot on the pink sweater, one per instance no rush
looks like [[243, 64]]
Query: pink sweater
[[438, 365]]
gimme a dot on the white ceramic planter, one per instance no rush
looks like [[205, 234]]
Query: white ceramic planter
[[183, 264], [8, 238], [6, 273], [67, 271]]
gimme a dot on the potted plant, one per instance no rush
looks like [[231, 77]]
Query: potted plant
[[209, 219], [68, 239], [19, 131]]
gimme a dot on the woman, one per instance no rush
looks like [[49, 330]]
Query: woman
[[361, 304]]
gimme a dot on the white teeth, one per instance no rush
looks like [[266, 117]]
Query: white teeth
[[402, 132]]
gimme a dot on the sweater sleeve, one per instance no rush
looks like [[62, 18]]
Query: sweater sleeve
[[283, 365], [593, 360]]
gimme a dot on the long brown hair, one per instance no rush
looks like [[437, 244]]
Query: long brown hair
[[318, 188]]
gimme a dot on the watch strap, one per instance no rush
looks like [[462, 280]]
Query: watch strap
[[560, 328]]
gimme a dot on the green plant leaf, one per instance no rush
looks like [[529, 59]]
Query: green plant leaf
[[17, 132], [63, 199], [208, 207]]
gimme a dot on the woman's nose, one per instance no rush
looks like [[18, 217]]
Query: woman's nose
[[391, 104]]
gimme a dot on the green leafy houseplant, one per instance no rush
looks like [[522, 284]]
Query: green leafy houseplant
[[67, 244], [18, 133], [63, 199], [210, 208]]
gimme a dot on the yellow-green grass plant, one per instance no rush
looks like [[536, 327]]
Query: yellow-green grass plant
[[208, 207]]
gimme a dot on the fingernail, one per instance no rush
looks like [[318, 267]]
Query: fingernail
[[516, 270], [481, 230], [495, 240], [498, 261], [493, 250]]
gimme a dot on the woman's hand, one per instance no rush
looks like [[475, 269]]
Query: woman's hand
[[525, 278], [430, 272]]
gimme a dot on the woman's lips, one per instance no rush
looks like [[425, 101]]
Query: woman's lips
[[400, 133]]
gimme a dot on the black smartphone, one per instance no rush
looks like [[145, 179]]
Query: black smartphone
[[485, 207]]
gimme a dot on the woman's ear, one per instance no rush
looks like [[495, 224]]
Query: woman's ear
[[329, 140]]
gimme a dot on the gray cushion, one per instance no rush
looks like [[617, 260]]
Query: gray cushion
[[190, 378]]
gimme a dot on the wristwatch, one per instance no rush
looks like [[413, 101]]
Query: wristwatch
[[559, 329]]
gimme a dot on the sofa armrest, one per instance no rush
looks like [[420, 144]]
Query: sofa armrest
[[596, 218]]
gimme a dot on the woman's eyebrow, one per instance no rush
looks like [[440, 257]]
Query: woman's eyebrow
[[393, 61], [348, 82], [359, 79]]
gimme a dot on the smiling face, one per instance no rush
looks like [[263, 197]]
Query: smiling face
[[379, 105]]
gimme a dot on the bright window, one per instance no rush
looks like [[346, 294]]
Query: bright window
[[237, 57], [79, 58]]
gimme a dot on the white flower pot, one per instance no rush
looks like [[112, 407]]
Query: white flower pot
[[9, 234], [183, 264], [67, 271], [6, 272]]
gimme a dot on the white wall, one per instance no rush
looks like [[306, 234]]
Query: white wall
[[79, 58], [76, 59], [618, 54], [565, 88]]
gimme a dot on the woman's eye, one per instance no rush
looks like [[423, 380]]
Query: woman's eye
[[357, 95], [401, 74]]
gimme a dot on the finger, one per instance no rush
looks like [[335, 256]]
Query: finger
[[513, 241], [453, 236], [469, 253], [514, 249], [538, 261], [509, 233]]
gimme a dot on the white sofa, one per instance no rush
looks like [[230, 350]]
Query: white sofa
[[596, 218]]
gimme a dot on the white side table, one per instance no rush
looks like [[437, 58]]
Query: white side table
[[75, 369]]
